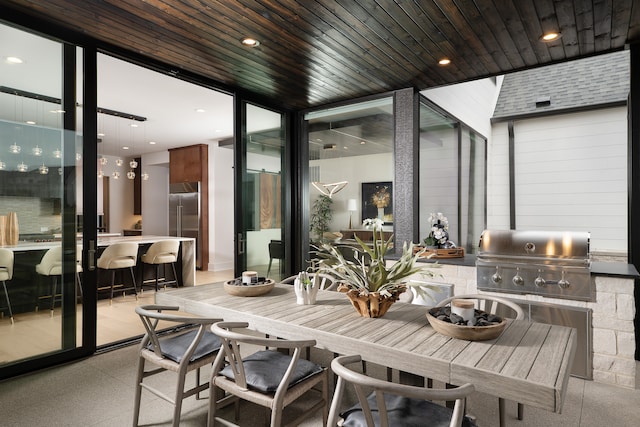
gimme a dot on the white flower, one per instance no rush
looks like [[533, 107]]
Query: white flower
[[375, 223]]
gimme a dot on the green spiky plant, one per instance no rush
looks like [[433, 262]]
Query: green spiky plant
[[369, 273]]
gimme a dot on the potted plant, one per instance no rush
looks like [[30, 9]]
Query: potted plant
[[438, 231], [371, 286], [321, 215]]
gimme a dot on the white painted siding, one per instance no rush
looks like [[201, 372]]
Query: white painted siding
[[571, 175], [498, 178]]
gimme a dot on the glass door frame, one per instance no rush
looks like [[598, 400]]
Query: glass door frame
[[69, 347], [240, 177]]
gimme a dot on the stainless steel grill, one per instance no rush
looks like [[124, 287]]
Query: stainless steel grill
[[549, 263]]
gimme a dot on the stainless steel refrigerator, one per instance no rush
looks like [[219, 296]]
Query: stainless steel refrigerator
[[184, 214]]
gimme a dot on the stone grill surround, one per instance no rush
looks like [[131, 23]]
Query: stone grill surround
[[613, 313]]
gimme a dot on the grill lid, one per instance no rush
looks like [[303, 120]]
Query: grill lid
[[548, 245]]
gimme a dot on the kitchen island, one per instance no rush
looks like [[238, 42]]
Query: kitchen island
[[27, 287]]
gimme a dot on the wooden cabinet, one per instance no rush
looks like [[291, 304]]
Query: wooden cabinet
[[189, 164]]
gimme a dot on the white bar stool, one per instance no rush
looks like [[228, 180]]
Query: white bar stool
[[119, 256], [162, 253], [51, 266], [6, 273]]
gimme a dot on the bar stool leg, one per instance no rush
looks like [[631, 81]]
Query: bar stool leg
[[133, 281], [53, 287], [175, 275], [6, 295], [113, 281]]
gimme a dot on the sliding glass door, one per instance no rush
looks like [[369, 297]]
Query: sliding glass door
[[41, 156], [260, 198]]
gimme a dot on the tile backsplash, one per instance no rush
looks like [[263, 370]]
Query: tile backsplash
[[34, 214]]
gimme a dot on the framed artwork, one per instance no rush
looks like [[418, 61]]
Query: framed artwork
[[377, 201]]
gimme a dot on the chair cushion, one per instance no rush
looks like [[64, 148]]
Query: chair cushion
[[174, 347], [264, 370], [403, 411]]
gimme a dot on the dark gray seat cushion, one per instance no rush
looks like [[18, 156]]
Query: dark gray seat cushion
[[404, 412], [174, 347], [264, 370]]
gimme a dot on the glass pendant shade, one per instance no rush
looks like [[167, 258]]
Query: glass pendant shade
[[43, 170], [145, 176], [116, 175], [2, 165], [22, 167], [131, 174], [37, 151], [133, 164], [103, 161], [15, 148], [57, 153], [119, 162]]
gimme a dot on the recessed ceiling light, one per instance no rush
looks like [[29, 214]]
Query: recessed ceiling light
[[250, 42], [152, 143], [218, 130], [549, 37], [125, 148], [363, 142], [101, 134], [133, 125], [13, 60], [56, 111], [200, 110], [30, 122], [444, 61]]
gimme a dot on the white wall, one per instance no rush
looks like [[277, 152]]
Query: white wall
[[472, 102], [221, 219], [120, 195], [372, 168], [155, 194]]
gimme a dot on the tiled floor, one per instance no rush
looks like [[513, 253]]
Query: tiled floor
[[98, 391]]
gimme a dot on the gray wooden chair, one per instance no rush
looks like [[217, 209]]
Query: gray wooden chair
[[267, 378], [393, 404], [180, 352], [501, 307]]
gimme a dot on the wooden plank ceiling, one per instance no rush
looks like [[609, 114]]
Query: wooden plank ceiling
[[316, 52]]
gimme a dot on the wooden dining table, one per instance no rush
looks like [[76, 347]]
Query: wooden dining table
[[529, 362]]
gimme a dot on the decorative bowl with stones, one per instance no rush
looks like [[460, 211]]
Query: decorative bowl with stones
[[486, 326], [235, 287]]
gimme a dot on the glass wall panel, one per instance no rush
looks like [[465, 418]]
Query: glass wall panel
[[452, 178], [262, 193], [38, 159], [351, 169]]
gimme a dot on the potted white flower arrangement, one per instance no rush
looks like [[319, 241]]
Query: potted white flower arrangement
[[438, 231]]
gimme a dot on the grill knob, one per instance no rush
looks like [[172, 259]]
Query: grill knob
[[496, 278], [564, 284], [517, 279], [540, 282]]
